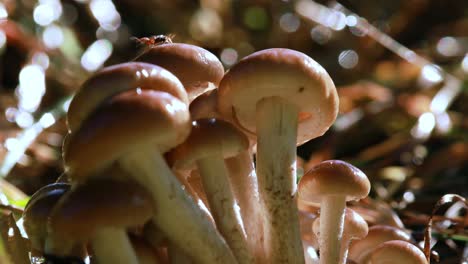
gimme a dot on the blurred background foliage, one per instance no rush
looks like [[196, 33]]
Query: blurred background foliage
[[400, 68]]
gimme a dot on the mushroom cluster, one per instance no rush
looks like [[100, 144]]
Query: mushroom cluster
[[160, 165]]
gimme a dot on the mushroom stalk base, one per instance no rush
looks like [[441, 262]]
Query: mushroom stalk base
[[216, 183], [177, 256], [332, 212], [111, 245], [245, 188], [277, 122], [176, 215]]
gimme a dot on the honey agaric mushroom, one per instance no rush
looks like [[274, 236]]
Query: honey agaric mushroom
[[242, 175], [331, 184], [397, 251], [118, 78], [360, 250], [36, 215], [209, 143], [285, 98], [135, 128], [99, 211], [198, 69], [355, 227]]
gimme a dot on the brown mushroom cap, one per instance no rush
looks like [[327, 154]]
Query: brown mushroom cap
[[205, 106], [333, 177], [195, 67], [284, 73], [122, 123], [100, 202], [397, 251], [208, 137], [359, 250], [118, 78], [38, 209]]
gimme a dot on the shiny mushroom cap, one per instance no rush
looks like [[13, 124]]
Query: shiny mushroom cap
[[333, 177], [100, 203], [198, 69], [37, 212], [118, 78], [126, 121], [283, 73], [397, 251]]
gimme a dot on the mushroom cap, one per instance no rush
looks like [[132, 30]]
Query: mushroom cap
[[333, 177], [37, 212], [195, 67], [208, 137], [205, 106], [124, 122], [397, 251], [100, 202], [118, 78], [284, 73], [355, 227], [360, 250]]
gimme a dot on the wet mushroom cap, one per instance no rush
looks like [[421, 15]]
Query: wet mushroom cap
[[208, 137], [122, 123], [118, 78], [283, 73], [38, 209], [195, 67], [100, 203], [333, 177], [397, 251]]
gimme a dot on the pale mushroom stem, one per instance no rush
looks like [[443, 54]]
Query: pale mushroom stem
[[277, 122], [245, 188], [177, 215], [332, 212], [111, 245], [216, 183]]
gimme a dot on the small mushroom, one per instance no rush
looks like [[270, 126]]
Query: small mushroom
[[360, 250], [355, 227], [36, 215], [209, 143], [397, 251], [242, 175], [198, 69], [285, 98], [100, 211], [331, 184]]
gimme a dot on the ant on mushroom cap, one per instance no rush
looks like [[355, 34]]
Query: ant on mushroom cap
[[154, 40]]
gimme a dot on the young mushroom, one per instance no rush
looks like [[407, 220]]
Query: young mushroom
[[242, 175], [355, 227], [134, 128], [360, 250], [285, 98], [331, 184], [210, 142], [198, 69], [397, 251], [36, 215], [100, 211]]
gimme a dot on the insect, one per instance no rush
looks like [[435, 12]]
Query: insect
[[154, 40]]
